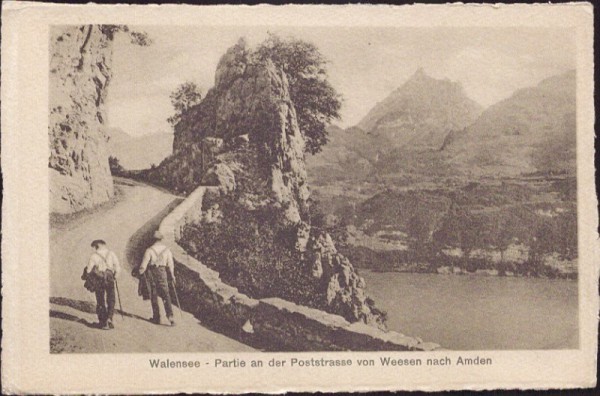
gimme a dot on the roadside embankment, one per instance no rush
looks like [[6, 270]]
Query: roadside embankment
[[286, 326]]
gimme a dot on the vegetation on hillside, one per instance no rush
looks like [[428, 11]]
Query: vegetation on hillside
[[239, 244], [482, 224], [116, 169]]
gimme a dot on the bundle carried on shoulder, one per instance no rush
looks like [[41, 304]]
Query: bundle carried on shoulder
[[96, 279], [143, 286]]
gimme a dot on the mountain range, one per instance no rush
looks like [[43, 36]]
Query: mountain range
[[139, 152], [533, 130], [430, 127]]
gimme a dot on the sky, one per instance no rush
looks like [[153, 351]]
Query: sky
[[365, 64]]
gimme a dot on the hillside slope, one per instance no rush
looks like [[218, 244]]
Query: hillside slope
[[426, 130], [533, 130]]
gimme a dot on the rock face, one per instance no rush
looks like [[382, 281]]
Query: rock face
[[79, 75], [244, 137], [249, 103]]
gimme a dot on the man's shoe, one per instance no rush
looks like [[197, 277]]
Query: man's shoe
[[154, 320], [105, 326], [172, 321], [110, 324]]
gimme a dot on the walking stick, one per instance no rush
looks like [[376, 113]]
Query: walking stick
[[177, 299], [119, 297]]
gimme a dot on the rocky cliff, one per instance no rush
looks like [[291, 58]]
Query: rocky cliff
[[80, 58], [248, 106], [244, 138]]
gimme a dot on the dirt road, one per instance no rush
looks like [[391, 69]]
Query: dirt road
[[126, 226]]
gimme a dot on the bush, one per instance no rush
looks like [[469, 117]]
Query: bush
[[116, 169], [253, 252]]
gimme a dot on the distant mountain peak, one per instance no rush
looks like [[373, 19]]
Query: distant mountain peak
[[420, 73], [420, 77], [420, 113], [117, 134]]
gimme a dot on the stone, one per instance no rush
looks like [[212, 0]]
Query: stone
[[213, 144], [248, 328], [80, 64], [212, 215], [220, 175], [317, 267], [302, 237], [241, 140]]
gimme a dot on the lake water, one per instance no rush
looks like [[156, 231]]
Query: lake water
[[478, 312]]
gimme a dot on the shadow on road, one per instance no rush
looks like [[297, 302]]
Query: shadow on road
[[83, 306], [72, 318]]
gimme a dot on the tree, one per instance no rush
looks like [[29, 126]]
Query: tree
[[317, 103], [115, 166], [183, 98], [504, 236], [420, 232]]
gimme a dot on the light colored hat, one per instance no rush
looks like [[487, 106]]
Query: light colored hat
[[158, 235]]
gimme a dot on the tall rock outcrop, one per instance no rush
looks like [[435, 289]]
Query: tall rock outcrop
[[244, 137], [79, 75], [250, 102]]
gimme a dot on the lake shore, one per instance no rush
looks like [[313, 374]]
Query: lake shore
[[406, 262], [448, 270]]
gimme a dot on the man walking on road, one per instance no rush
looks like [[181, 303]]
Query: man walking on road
[[100, 274], [158, 259]]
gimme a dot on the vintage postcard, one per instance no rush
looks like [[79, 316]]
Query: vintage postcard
[[234, 199]]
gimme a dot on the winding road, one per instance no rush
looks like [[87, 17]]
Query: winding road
[[127, 227]]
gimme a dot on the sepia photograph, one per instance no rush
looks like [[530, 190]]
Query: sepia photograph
[[233, 199], [233, 189]]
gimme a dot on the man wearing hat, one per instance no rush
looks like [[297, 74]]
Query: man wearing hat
[[158, 259], [100, 275]]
